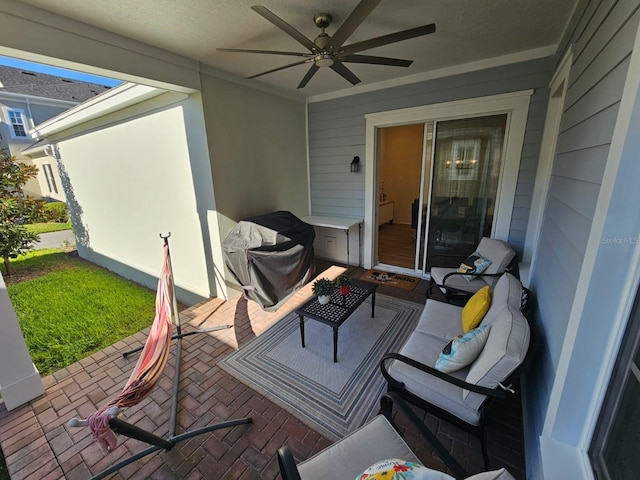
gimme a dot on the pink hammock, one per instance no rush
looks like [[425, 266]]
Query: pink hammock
[[151, 363], [143, 379]]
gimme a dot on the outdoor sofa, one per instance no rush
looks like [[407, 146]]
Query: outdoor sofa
[[463, 396]]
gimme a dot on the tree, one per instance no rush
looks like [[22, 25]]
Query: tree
[[16, 208]]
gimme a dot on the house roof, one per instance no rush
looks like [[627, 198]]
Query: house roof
[[25, 82]]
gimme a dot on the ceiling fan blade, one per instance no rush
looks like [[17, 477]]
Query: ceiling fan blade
[[270, 52], [312, 71], [280, 68], [353, 21], [394, 62], [387, 39], [345, 73], [284, 26]]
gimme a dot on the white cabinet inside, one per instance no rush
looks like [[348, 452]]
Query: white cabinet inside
[[385, 212]]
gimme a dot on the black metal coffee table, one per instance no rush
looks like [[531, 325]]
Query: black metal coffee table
[[336, 312]]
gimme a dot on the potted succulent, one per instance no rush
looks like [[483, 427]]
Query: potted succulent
[[323, 288], [343, 282]]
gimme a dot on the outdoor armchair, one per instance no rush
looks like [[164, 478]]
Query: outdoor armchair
[[371, 445], [456, 284]]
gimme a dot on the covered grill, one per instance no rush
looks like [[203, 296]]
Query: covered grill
[[271, 256]]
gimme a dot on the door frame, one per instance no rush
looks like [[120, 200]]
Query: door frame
[[515, 104], [555, 109]]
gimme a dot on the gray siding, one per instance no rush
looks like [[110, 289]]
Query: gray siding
[[337, 134], [601, 36]]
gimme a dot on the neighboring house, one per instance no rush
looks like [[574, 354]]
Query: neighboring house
[[212, 152], [26, 99]]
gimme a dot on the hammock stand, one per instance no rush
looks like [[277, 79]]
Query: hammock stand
[[129, 430]]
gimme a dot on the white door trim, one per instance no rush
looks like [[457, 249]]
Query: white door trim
[[515, 104], [555, 109]]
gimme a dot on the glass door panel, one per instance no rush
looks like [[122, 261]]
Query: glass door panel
[[464, 183], [616, 439]]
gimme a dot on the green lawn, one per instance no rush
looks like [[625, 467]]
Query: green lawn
[[69, 308], [75, 308], [48, 227]]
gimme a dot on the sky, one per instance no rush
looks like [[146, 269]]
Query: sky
[[60, 72]]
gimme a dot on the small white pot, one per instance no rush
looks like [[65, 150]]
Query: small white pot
[[324, 299]]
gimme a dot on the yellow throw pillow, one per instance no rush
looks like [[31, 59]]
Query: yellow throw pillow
[[476, 308]]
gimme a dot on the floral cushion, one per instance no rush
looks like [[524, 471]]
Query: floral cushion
[[396, 469]]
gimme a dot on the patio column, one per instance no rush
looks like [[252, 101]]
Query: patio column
[[19, 379]]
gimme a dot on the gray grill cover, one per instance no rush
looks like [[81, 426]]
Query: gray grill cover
[[271, 256]]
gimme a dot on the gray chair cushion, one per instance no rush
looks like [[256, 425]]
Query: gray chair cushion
[[457, 281], [347, 458], [504, 351], [373, 442], [498, 251], [507, 291], [440, 319], [501, 474], [425, 349]]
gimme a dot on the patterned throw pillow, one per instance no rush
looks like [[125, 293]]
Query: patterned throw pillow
[[395, 469], [462, 350], [474, 264]]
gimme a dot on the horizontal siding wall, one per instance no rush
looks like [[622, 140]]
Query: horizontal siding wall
[[602, 42], [337, 134]]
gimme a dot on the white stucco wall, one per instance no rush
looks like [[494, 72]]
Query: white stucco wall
[[128, 178], [257, 147], [257, 142]]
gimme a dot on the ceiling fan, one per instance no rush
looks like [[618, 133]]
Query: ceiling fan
[[329, 51]]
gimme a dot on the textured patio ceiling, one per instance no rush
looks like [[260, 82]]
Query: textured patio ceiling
[[467, 31]]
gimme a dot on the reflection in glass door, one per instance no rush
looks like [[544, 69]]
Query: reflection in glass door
[[459, 194]]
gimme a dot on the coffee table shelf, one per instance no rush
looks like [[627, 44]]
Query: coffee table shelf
[[338, 310]]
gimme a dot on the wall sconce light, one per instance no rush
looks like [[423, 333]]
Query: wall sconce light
[[355, 164]]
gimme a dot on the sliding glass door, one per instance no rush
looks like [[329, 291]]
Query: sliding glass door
[[468, 178], [462, 165]]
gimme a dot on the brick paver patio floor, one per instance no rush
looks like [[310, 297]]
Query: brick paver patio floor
[[37, 444]]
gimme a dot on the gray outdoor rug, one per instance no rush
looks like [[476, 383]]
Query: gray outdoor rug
[[332, 398]]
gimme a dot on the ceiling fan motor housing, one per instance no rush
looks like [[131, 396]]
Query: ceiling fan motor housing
[[322, 20]]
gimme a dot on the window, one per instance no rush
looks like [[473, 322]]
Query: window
[[17, 123], [51, 181], [614, 447]]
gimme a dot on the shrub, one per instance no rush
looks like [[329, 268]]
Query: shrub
[[56, 212], [33, 210], [15, 208]]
